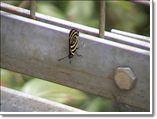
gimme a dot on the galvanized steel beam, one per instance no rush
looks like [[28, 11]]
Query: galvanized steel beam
[[132, 35], [15, 101]]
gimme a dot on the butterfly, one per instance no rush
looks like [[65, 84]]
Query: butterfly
[[73, 44]]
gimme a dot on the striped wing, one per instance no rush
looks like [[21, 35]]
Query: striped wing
[[73, 41]]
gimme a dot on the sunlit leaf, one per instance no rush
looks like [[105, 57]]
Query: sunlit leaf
[[80, 11], [99, 104], [49, 9], [55, 92]]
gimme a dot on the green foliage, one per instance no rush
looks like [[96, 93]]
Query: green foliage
[[49, 9], [11, 79], [7, 78], [12, 2], [80, 11], [99, 104], [55, 92], [127, 16]]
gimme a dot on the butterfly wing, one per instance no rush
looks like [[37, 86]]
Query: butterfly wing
[[73, 41]]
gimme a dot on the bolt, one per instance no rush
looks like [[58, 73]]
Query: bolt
[[124, 78]]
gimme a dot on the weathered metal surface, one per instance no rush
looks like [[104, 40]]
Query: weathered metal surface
[[127, 40], [84, 29], [132, 35], [32, 47], [15, 101]]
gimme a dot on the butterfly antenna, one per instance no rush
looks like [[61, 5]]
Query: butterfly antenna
[[62, 58]]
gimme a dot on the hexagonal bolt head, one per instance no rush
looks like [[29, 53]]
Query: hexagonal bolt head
[[124, 78]]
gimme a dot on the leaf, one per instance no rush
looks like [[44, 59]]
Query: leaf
[[47, 8], [100, 104], [80, 11], [55, 92]]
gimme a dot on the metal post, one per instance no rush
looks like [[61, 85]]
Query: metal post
[[102, 19], [33, 9]]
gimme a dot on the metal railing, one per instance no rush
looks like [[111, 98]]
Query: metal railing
[[43, 41]]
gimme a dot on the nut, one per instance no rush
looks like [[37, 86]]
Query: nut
[[124, 78]]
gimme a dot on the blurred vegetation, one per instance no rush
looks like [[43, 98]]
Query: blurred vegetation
[[122, 15]]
